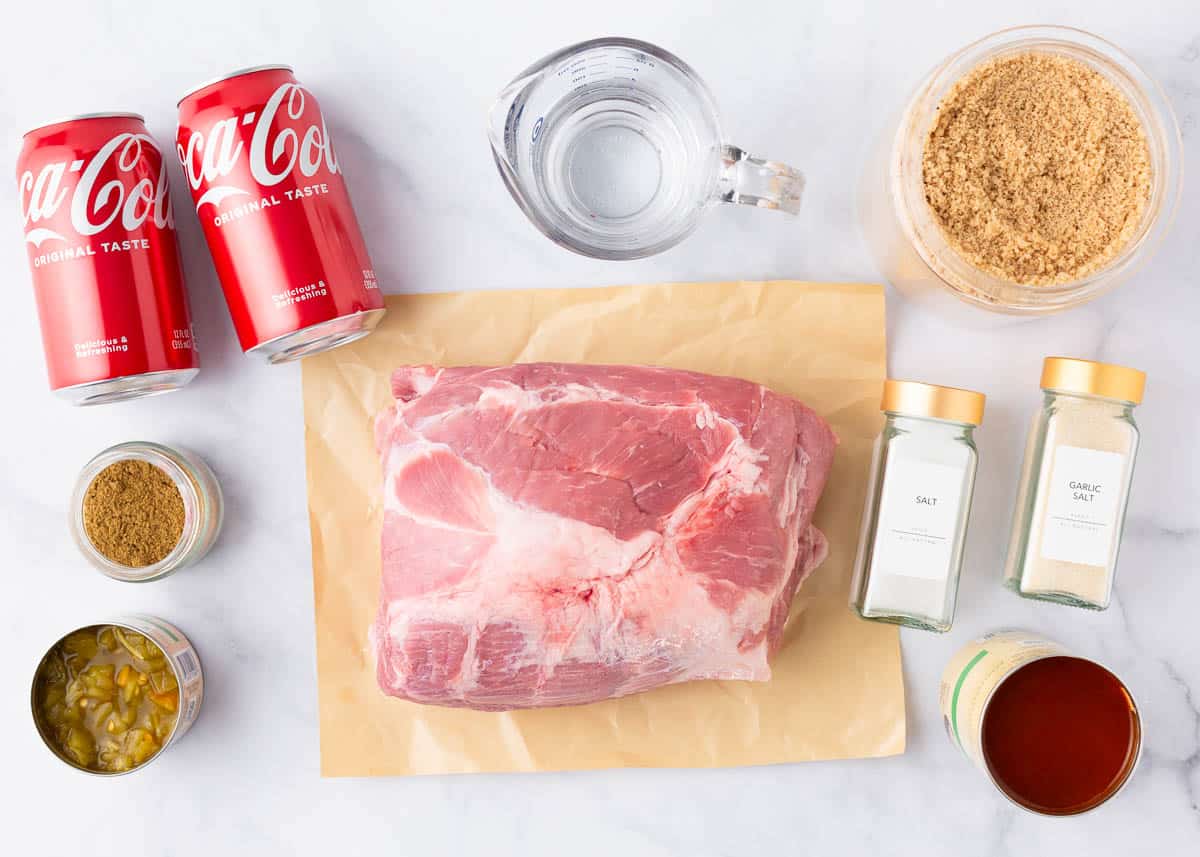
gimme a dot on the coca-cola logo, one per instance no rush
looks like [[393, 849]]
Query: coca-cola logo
[[279, 144], [97, 204]]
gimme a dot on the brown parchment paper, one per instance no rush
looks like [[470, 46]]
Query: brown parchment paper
[[837, 690]]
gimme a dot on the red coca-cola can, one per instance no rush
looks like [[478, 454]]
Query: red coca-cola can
[[100, 235], [269, 192]]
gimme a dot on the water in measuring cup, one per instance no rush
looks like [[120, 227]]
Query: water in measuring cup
[[618, 163]]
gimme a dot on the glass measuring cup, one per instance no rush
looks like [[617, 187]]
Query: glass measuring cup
[[613, 148]]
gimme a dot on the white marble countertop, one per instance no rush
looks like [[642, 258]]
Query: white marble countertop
[[405, 88]]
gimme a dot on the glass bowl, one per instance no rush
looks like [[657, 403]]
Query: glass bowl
[[909, 244]]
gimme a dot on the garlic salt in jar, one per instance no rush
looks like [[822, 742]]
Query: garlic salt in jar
[[918, 503], [141, 511], [1074, 486]]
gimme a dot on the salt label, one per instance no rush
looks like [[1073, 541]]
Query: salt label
[[1082, 506], [918, 519]]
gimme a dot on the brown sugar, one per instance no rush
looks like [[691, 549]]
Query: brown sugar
[[133, 513], [1037, 169]]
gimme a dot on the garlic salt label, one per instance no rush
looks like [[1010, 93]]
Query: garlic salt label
[[1075, 482], [918, 517], [1083, 504]]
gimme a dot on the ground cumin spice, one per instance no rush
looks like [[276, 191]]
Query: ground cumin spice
[[1037, 169], [133, 513]]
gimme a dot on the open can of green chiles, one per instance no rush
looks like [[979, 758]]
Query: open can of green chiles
[[109, 698], [141, 511]]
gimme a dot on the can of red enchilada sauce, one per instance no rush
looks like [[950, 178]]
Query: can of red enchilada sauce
[[1057, 734], [110, 698]]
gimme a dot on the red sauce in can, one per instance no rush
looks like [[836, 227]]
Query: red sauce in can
[[1061, 735]]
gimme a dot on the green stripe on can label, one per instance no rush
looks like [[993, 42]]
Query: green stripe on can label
[[962, 677]]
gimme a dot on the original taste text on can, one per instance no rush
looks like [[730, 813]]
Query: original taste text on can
[[100, 238], [1057, 734], [269, 192]]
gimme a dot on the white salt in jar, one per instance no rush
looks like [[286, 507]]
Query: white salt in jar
[[918, 503], [1075, 483]]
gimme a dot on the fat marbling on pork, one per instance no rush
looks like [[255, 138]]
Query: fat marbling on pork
[[557, 534]]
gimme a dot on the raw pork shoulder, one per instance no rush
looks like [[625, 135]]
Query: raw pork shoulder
[[557, 534]]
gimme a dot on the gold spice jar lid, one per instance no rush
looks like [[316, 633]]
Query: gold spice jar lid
[[912, 398], [1089, 378]]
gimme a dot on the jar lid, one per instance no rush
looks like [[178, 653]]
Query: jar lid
[[929, 400], [1089, 378]]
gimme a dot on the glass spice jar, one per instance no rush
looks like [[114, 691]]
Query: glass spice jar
[[918, 504], [202, 514], [1075, 481]]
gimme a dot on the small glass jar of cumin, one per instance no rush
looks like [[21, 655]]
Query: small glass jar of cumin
[[203, 508]]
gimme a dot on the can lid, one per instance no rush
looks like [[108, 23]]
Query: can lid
[[238, 73], [914, 398], [1072, 375], [81, 116]]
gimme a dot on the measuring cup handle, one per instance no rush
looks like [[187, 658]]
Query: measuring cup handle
[[753, 181]]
